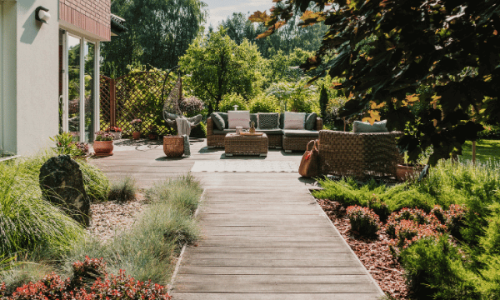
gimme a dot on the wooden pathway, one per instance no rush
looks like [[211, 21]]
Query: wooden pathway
[[263, 235]]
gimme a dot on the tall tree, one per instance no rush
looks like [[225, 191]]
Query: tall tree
[[442, 54], [159, 32], [218, 66]]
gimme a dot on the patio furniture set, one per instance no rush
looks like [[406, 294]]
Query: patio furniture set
[[370, 150]]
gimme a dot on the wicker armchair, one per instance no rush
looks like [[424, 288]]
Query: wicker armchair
[[359, 154]]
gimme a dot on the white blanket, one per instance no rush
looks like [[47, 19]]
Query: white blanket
[[183, 126]]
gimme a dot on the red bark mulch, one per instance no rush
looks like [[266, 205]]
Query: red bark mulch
[[374, 254]]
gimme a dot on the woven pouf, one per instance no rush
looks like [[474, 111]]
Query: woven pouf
[[173, 146]]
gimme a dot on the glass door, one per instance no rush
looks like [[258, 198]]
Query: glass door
[[77, 109]]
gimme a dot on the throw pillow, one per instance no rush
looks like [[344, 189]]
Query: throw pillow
[[360, 127], [311, 121], [238, 118], [269, 120], [218, 121], [294, 120]]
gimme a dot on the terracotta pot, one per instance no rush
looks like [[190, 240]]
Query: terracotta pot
[[407, 171], [136, 135], [153, 136], [103, 148]]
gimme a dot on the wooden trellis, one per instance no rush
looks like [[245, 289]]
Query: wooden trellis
[[137, 95]]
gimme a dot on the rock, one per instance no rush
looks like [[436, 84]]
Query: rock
[[61, 180]]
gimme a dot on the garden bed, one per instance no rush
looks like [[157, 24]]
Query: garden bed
[[373, 253]]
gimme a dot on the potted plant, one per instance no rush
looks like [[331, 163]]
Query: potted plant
[[115, 131], [153, 134], [137, 128], [103, 144], [407, 170], [80, 150]]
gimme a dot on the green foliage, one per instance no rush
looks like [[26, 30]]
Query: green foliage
[[218, 66], [95, 182], [27, 221], [263, 103], [230, 100], [147, 250], [296, 96], [435, 270], [123, 190], [159, 32], [386, 63], [199, 131], [448, 183]]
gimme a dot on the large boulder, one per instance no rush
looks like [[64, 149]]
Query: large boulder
[[61, 180]]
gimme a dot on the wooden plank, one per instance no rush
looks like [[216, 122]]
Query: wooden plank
[[343, 260], [318, 271], [277, 296], [223, 287]]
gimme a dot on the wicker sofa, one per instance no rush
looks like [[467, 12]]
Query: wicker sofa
[[278, 138], [359, 155]]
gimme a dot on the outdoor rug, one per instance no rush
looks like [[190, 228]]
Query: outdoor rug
[[242, 166]]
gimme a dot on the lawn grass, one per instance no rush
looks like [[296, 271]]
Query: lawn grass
[[485, 150]]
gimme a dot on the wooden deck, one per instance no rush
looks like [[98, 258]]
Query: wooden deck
[[263, 234]]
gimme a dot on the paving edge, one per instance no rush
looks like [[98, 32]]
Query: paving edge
[[382, 294], [179, 259]]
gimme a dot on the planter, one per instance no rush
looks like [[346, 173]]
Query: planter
[[117, 135], [153, 136], [407, 171], [136, 135], [103, 148], [173, 145]]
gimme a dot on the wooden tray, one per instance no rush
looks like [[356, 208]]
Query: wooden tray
[[251, 134]]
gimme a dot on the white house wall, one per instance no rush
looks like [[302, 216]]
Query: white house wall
[[30, 76], [8, 33]]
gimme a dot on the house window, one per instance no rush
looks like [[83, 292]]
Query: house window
[[78, 107]]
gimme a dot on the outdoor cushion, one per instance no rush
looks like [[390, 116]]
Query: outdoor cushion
[[224, 117], [275, 131], [269, 120], [360, 127], [294, 120], [301, 133], [238, 118], [225, 131], [218, 121], [310, 121]]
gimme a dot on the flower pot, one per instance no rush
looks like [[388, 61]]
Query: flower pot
[[407, 171], [153, 136], [117, 135], [103, 148], [136, 135]]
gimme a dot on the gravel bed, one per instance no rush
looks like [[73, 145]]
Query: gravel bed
[[374, 254], [112, 217]]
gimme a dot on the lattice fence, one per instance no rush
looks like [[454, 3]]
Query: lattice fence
[[137, 95]]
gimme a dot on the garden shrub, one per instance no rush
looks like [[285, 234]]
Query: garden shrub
[[263, 103], [89, 280], [435, 269], [191, 106], [363, 221], [230, 100]]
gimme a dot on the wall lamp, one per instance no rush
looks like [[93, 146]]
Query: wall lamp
[[42, 14]]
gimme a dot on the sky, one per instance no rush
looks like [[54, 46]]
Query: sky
[[219, 10]]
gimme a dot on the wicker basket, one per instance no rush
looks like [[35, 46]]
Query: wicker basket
[[173, 145]]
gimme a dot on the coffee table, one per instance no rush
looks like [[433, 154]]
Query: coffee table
[[235, 144]]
